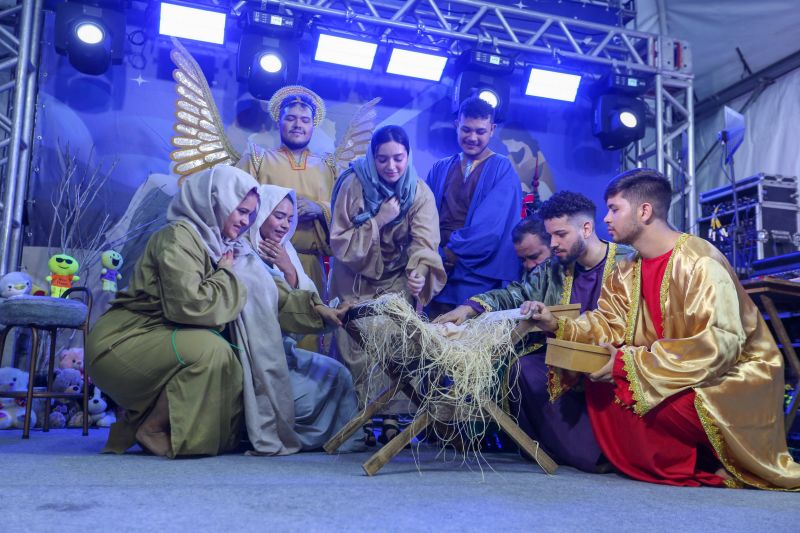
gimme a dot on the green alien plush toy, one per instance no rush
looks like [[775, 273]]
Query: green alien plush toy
[[112, 262], [62, 274]]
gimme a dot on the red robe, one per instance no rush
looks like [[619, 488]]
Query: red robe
[[668, 444]]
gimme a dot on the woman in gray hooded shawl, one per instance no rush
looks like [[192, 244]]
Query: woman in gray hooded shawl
[[294, 399]]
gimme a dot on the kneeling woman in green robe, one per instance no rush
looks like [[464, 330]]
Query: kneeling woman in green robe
[[158, 352]]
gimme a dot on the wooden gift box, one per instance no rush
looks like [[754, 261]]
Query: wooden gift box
[[575, 356]]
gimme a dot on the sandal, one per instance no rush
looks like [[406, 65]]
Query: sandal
[[369, 435], [389, 430]]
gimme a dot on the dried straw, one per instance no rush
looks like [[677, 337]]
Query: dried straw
[[454, 374]]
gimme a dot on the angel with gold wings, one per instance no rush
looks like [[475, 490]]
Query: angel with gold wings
[[201, 143]]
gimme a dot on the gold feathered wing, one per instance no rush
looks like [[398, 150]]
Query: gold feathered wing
[[357, 138], [200, 142]]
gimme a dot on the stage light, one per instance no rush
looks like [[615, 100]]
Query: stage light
[[347, 52], [619, 120], [495, 90], [628, 119], [483, 74], [273, 24], [554, 85], [270, 62], [91, 37], [89, 32], [266, 63], [192, 23], [485, 61], [490, 97], [416, 64]]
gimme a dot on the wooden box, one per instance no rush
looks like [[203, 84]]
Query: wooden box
[[575, 356]]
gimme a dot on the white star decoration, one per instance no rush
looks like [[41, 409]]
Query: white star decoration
[[520, 5], [139, 79]]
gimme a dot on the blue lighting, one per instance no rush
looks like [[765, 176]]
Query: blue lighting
[[347, 52], [192, 23], [555, 85], [416, 64]]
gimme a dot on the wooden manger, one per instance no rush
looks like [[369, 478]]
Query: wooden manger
[[430, 411]]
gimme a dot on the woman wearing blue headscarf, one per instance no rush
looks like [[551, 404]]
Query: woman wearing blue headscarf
[[385, 238]]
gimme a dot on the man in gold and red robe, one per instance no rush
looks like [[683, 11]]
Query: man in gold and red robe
[[693, 390]]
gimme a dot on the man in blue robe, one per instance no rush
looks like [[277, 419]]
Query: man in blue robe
[[478, 195]]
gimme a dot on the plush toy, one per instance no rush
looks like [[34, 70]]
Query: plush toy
[[36, 290], [71, 358], [112, 262], [12, 410], [62, 274], [66, 380], [99, 414], [15, 284]]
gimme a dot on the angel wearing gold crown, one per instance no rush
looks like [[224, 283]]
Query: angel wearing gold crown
[[201, 143]]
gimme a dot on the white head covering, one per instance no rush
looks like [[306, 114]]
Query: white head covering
[[271, 196], [206, 199]]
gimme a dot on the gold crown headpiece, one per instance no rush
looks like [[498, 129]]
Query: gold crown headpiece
[[292, 94]]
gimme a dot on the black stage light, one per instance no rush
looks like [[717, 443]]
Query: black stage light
[[92, 37], [485, 75], [267, 63], [619, 119], [269, 54]]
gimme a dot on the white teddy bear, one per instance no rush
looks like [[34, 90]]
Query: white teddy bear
[[12, 410]]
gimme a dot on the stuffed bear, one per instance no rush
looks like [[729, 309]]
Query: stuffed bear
[[99, 415], [71, 358], [12, 410], [66, 380]]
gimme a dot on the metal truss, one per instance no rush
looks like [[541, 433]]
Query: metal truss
[[452, 25], [670, 147], [20, 35]]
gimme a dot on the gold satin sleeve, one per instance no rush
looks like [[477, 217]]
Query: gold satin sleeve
[[715, 339], [606, 323]]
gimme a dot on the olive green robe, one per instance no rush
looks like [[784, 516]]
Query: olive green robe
[[163, 332]]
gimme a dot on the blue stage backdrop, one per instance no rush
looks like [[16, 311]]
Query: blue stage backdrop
[[125, 117]]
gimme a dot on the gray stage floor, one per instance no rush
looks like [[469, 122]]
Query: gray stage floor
[[59, 481]]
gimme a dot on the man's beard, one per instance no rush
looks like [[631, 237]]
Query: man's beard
[[631, 234], [573, 253], [291, 145]]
